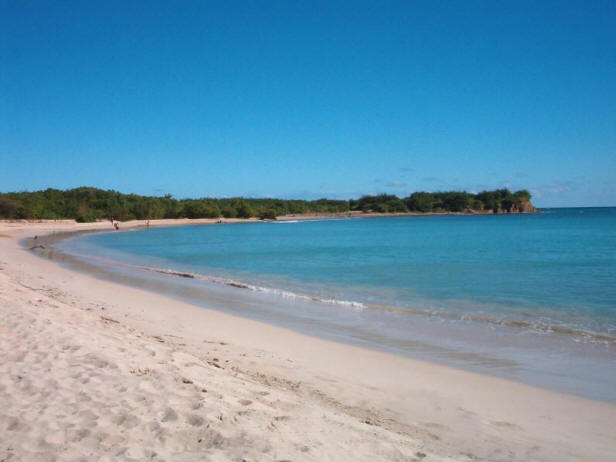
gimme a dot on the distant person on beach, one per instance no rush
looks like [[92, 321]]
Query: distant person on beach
[[147, 224]]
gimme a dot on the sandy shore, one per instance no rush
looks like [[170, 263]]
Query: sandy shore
[[94, 370]]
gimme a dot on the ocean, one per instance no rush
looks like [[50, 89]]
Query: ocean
[[525, 297]]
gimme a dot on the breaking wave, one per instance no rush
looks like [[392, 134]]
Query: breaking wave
[[254, 288]]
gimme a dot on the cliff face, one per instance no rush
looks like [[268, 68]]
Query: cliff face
[[520, 207], [527, 207]]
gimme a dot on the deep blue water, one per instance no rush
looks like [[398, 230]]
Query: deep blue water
[[526, 297], [558, 266]]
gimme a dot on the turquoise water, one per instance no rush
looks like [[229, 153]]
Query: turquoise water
[[557, 266], [492, 289]]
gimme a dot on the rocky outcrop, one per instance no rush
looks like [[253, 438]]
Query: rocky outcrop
[[520, 207], [526, 207]]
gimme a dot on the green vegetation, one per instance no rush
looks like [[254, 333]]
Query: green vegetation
[[383, 203], [90, 204], [497, 201]]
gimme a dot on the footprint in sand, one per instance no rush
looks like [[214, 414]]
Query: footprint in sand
[[195, 420], [168, 415]]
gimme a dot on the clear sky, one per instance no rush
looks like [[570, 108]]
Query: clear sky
[[310, 99]]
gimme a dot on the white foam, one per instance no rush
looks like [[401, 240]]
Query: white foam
[[254, 288]]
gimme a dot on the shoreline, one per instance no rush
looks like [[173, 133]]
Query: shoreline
[[498, 347], [221, 220], [514, 323], [439, 411]]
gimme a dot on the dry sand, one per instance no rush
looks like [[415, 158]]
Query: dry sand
[[94, 370]]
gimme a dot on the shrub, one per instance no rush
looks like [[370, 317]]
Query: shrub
[[268, 214], [86, 218]]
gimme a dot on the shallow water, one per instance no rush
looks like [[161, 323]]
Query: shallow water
[[528, 297]]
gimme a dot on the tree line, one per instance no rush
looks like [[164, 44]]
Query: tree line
[[87, 204], [496, 201]]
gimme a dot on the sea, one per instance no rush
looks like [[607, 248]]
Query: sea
[[526, 297]]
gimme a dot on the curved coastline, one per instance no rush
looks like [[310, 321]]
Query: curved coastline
[[440, 411], [482, 344], [535, 326]]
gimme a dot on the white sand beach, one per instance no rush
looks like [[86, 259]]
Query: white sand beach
[[95, 370]]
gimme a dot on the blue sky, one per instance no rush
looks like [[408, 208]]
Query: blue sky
[[310, 99]]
